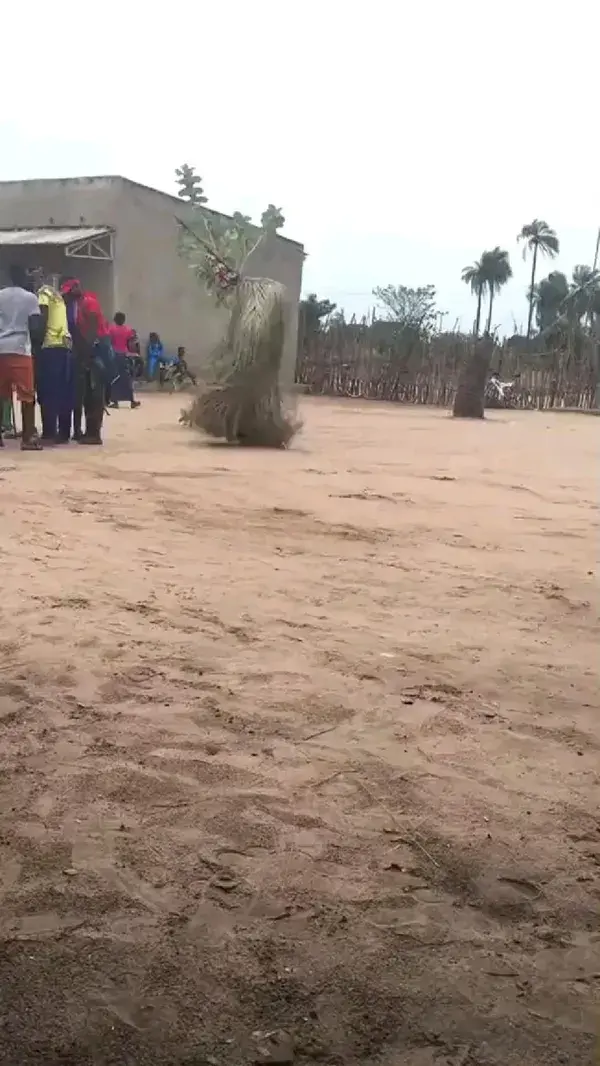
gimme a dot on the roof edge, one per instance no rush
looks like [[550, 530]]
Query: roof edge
[[136, 184]]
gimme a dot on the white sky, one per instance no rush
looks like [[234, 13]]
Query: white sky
[[400, 138]]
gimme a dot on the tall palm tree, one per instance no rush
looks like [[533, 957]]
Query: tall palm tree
[[538, 237], [475, 277], [497, 270]]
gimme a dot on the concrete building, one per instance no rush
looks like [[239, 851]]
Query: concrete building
[[120, 238]]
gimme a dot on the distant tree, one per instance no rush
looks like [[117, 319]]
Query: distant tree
[[488, 274], [312, 311], [413, 309], [498, 271], [537, 237], [583, 297], [475, 277], [549, 297], [190, 186], [272, 219]]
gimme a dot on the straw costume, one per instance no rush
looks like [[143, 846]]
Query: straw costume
[[244, 402]]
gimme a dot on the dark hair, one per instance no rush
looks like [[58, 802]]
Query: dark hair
[[154, 338], [119, 318], [18, 276], [181, 350]]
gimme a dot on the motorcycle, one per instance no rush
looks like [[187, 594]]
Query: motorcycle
[[507, 394], [175, 376], [500, 394]]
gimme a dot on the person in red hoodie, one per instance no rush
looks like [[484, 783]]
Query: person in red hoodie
[[94, 362], [122, 339]]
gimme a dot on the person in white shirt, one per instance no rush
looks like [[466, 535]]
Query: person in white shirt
[[20, 322]]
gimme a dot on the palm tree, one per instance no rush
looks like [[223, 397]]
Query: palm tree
[[489, 273], [497, 271], [475, 277], [584, 291], [538, 237]]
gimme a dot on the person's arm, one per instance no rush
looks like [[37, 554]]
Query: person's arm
[[92, 325], [37, 331], [43, 306], [37, 323], [44, 319]]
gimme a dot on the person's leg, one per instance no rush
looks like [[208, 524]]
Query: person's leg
[[77, 421], [5, 399], [5, 396], [23, 381], [126, 375], [122, 387], [53, 370], [94, 396], [65, 394], [78, 395], [152, 369], [7, 428], [46, 388]]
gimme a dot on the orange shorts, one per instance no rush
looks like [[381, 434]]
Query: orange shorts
[[16, 372]]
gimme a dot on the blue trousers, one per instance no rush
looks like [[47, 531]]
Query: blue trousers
[[55, 387]]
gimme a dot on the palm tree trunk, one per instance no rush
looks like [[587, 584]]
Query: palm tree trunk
[[489, 318], [531, 288], [470, 392], [478, 315]]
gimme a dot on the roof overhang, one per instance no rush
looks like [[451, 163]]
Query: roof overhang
[[78, 242]]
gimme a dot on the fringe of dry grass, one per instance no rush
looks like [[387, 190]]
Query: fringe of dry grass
[[246, 405]]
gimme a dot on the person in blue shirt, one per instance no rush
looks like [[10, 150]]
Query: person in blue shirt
[[155, 354]]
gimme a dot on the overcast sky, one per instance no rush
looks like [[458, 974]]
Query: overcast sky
[[400, 139]]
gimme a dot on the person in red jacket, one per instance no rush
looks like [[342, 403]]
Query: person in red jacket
[[122, 339], [94, 362]]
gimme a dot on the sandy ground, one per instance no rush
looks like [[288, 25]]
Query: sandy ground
[[302, 742]]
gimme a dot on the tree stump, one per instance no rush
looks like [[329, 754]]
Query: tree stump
[[469, 401]]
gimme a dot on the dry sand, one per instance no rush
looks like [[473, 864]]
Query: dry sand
[[302, 741]]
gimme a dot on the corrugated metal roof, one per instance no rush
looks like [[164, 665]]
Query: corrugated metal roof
[[50, 235]]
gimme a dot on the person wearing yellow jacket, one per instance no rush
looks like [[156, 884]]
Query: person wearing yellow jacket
[[54, 369]]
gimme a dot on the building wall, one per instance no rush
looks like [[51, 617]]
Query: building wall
[[156, 288], [153, 284], [94, 274], [66, 202], [148, 280], [70, 202]]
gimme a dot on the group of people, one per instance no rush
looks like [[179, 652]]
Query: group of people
[[56, 346]]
